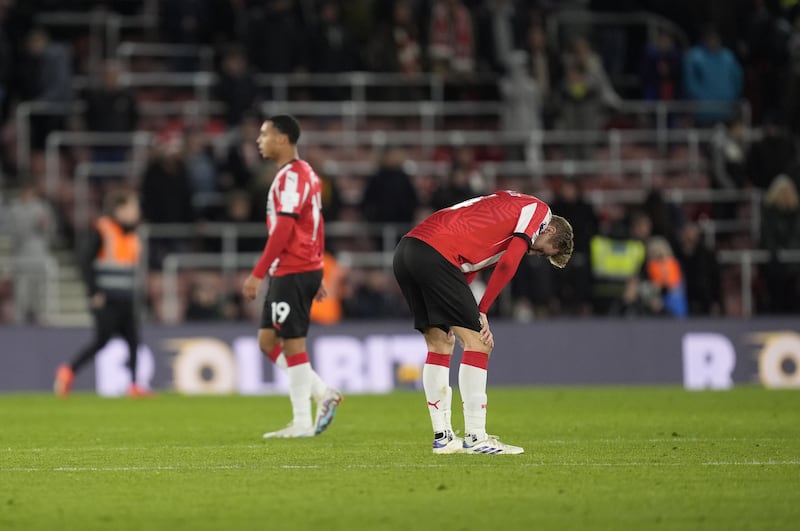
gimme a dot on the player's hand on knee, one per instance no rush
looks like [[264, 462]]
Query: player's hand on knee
[[486, 334]]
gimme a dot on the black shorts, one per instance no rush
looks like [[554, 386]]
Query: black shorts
[[435, 290], [287, 305]]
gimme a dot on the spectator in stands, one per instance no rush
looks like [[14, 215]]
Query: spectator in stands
[[111, 108], [202, 172], [187, 22], [545, 69], [456, 189], [780, 229], [499, 30], [639, 298], [330, 45], [712, 73], [451, 41], [662, 69], [243, 162], [397, 48], [204, 302], [236, 86], [764, 46], [701, 272], [522, 104], [166, 193], [276, 40], [583, 58], [574, 283], [616, 261], [666, 218], [390, 196], [166, 187], [47, 76], [728, 169], [584, 95], [663, 271], [239, 208], [774, 153], [372, 298], [32, 226]]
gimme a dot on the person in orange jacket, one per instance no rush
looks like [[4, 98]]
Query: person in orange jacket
[[109, 266]]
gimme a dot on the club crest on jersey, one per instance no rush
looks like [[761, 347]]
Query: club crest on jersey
[[542, 227]]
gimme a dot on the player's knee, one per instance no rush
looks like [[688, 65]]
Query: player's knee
[[439, 341], [267, 343], [472, 341]]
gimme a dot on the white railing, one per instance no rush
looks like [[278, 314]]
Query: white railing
[[104, 27], [128, 50], [746, 259], [49, 266], [139, 143], [710, 227], [26, 109], [557, 20], [173, 263], [357, 83], [229, 232], [22, 120]]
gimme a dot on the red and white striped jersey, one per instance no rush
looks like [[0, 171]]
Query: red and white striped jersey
[[474, 234], [296, 192]]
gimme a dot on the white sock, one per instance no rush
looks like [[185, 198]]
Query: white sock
[[472, 384], [299, 372], [436, 382], [318, 387]]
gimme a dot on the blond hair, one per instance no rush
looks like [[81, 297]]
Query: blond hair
[[658, 246], [782, 193], [563, 240]]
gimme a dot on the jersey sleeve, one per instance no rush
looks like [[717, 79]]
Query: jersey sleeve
[[289, 196], [533, 219]]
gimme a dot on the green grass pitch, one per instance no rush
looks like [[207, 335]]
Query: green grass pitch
[[598, 458]]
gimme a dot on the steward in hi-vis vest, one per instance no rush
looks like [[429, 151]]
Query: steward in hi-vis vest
[[109, 264]]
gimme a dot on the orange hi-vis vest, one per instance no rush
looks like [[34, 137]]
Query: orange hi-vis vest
[[664, 272], [115, 264], [328, 311]]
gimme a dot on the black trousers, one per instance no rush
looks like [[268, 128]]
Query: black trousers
[[117, 317]]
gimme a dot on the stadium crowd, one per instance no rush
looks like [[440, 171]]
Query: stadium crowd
[[207, 169]]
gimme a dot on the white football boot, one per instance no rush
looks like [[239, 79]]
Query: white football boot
[[326, 409], [291, 431], [489, 445], [448, 444]]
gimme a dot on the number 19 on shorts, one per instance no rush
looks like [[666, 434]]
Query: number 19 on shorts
[[280, 312]]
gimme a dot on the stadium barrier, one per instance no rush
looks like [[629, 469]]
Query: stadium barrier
[[378, 357]]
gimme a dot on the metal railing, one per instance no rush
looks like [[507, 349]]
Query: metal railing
[[22, 120], [559, 20], [104, 28], [746, 259], [128, 50], [139, 143]]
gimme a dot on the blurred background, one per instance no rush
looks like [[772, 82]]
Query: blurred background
[[666, 131]]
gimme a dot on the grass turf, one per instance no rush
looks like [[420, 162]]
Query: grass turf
[[604, 458]]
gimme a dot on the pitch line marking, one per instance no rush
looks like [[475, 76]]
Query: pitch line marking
[[177, 468], [408, 443]]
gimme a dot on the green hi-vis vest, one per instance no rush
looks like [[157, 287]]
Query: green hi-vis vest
[[616, 259]]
